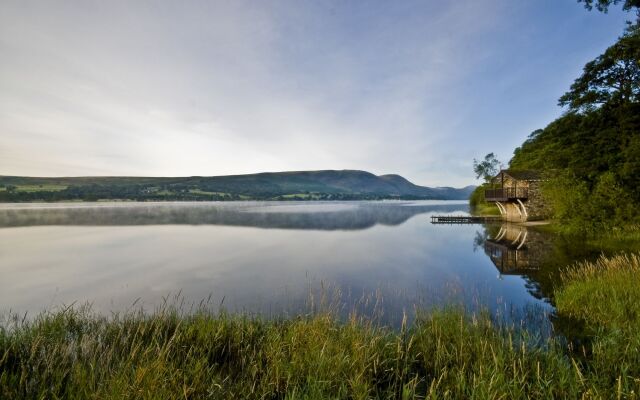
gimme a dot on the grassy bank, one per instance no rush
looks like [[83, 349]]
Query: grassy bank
[[625, 238], [478, 206], [444, 354], [603, 298]]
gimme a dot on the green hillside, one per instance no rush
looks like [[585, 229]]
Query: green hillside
[[591, 154], [296, 185]]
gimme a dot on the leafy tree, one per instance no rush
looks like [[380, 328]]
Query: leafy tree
[[487, 168], [567, 195], [589, 210], [613, 77], [592, 153], [603, 5]]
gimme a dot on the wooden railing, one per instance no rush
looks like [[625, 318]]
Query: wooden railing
[[463, 219], [504, 194]]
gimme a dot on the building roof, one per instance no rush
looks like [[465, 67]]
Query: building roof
[[521, 175]]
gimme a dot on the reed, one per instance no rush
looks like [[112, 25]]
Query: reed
[[446, 353], [602, 298], [605, 293]]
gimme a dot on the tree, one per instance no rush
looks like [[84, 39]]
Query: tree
[[613, 77], [603, 5], [487, 168]]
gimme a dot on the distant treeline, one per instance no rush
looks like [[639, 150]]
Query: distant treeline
[[97, 192]]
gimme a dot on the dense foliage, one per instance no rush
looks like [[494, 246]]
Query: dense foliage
[[613, 78], [603, 5], [487, 168], [591, 155], [477, 204]]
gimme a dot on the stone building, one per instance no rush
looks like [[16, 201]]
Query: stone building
[[518, 195]]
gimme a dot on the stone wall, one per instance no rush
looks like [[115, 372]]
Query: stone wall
[[509, 182], [535, 206]]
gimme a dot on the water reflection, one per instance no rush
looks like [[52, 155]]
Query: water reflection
[[538, 258], [533, 255], [265, 257], [517, 250], [279, 215]]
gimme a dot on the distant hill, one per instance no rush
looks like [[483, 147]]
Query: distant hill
[[295, 185]]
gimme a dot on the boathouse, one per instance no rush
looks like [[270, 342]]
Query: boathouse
[[517, 195]]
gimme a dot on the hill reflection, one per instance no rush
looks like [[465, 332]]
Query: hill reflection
[[280, 215]]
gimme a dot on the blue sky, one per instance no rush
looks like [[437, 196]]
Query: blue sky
[[417, 88]]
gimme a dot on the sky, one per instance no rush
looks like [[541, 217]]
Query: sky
[[182, 88]]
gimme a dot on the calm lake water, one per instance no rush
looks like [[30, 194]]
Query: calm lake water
[[268, 257]]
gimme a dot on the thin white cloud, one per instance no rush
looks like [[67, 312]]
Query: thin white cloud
[[208, 88]]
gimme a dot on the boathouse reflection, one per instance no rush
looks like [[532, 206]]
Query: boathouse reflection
[[516, 250]]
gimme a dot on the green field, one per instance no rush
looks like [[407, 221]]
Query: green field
[[46, 187], [306, 196], [198, 191], [38, 188]]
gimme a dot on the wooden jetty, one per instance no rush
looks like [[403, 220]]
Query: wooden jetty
[[463, 219]]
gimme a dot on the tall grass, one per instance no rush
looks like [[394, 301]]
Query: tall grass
[[603, 298], [605, 293], [447, 353], [619, 239], [76, 355]]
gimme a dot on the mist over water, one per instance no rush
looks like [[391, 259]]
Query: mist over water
[[271, 258]]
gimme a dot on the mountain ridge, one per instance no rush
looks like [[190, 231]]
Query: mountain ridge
[[285, 185]]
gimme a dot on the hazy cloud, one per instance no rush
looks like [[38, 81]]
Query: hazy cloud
[[221, 87]]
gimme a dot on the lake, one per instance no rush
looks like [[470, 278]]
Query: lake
[[269, 257]]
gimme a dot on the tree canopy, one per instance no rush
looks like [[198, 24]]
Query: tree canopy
[[487, 168], [591, 154], [603, 5], [613, 77]]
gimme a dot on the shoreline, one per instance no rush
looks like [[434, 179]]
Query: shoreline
[[446, 352]]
